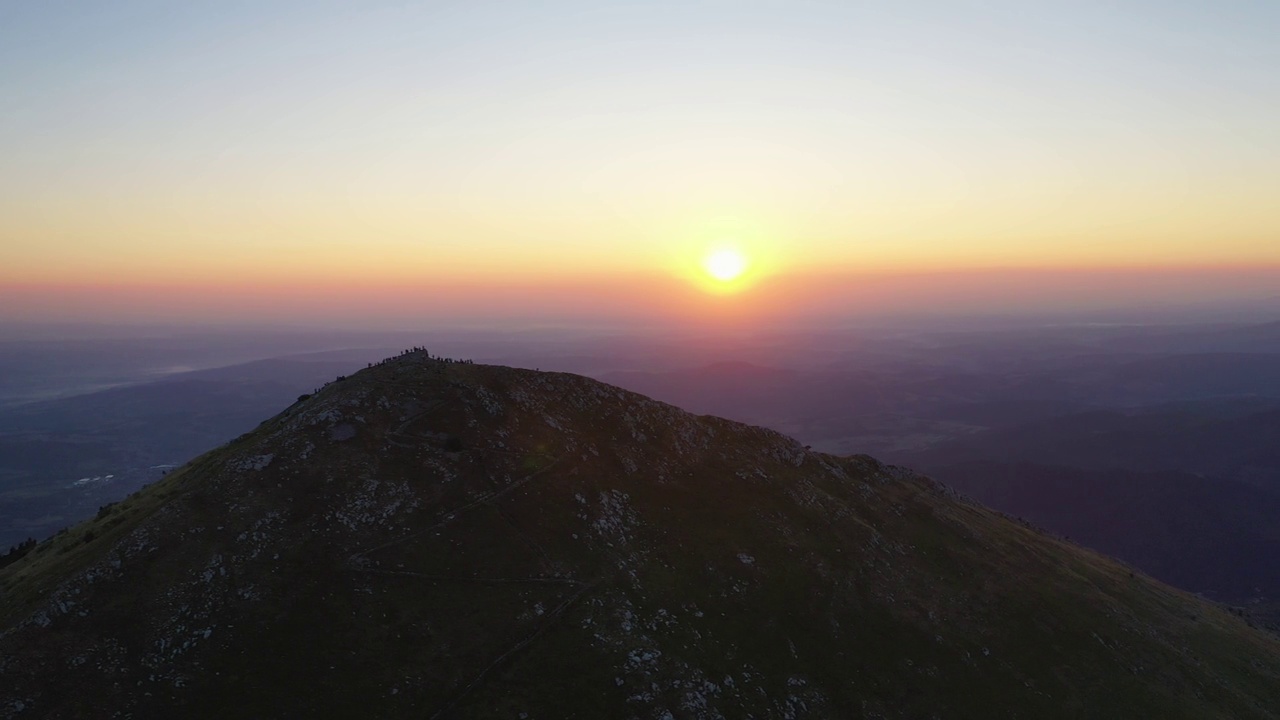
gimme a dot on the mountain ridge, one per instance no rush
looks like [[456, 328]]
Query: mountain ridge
[[440, 539]]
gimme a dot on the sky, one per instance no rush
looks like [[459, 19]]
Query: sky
[[243, 160]]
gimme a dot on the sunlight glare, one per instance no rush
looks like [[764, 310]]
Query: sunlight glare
[[725, 265]]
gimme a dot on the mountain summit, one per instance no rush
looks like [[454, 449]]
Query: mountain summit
[[432, 539]]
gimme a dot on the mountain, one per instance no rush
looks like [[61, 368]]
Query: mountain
[[432, 539]]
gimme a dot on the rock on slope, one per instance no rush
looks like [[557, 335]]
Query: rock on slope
[[430, 539]]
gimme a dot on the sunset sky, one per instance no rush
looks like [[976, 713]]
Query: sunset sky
[[243, 160]]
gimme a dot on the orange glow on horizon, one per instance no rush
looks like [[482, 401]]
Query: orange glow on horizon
[[626, 299]]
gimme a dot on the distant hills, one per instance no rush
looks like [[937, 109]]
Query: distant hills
[[431, 539]]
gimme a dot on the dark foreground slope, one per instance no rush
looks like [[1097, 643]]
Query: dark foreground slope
[[444, 540]]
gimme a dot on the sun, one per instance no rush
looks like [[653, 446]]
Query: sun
[[725, 265]]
